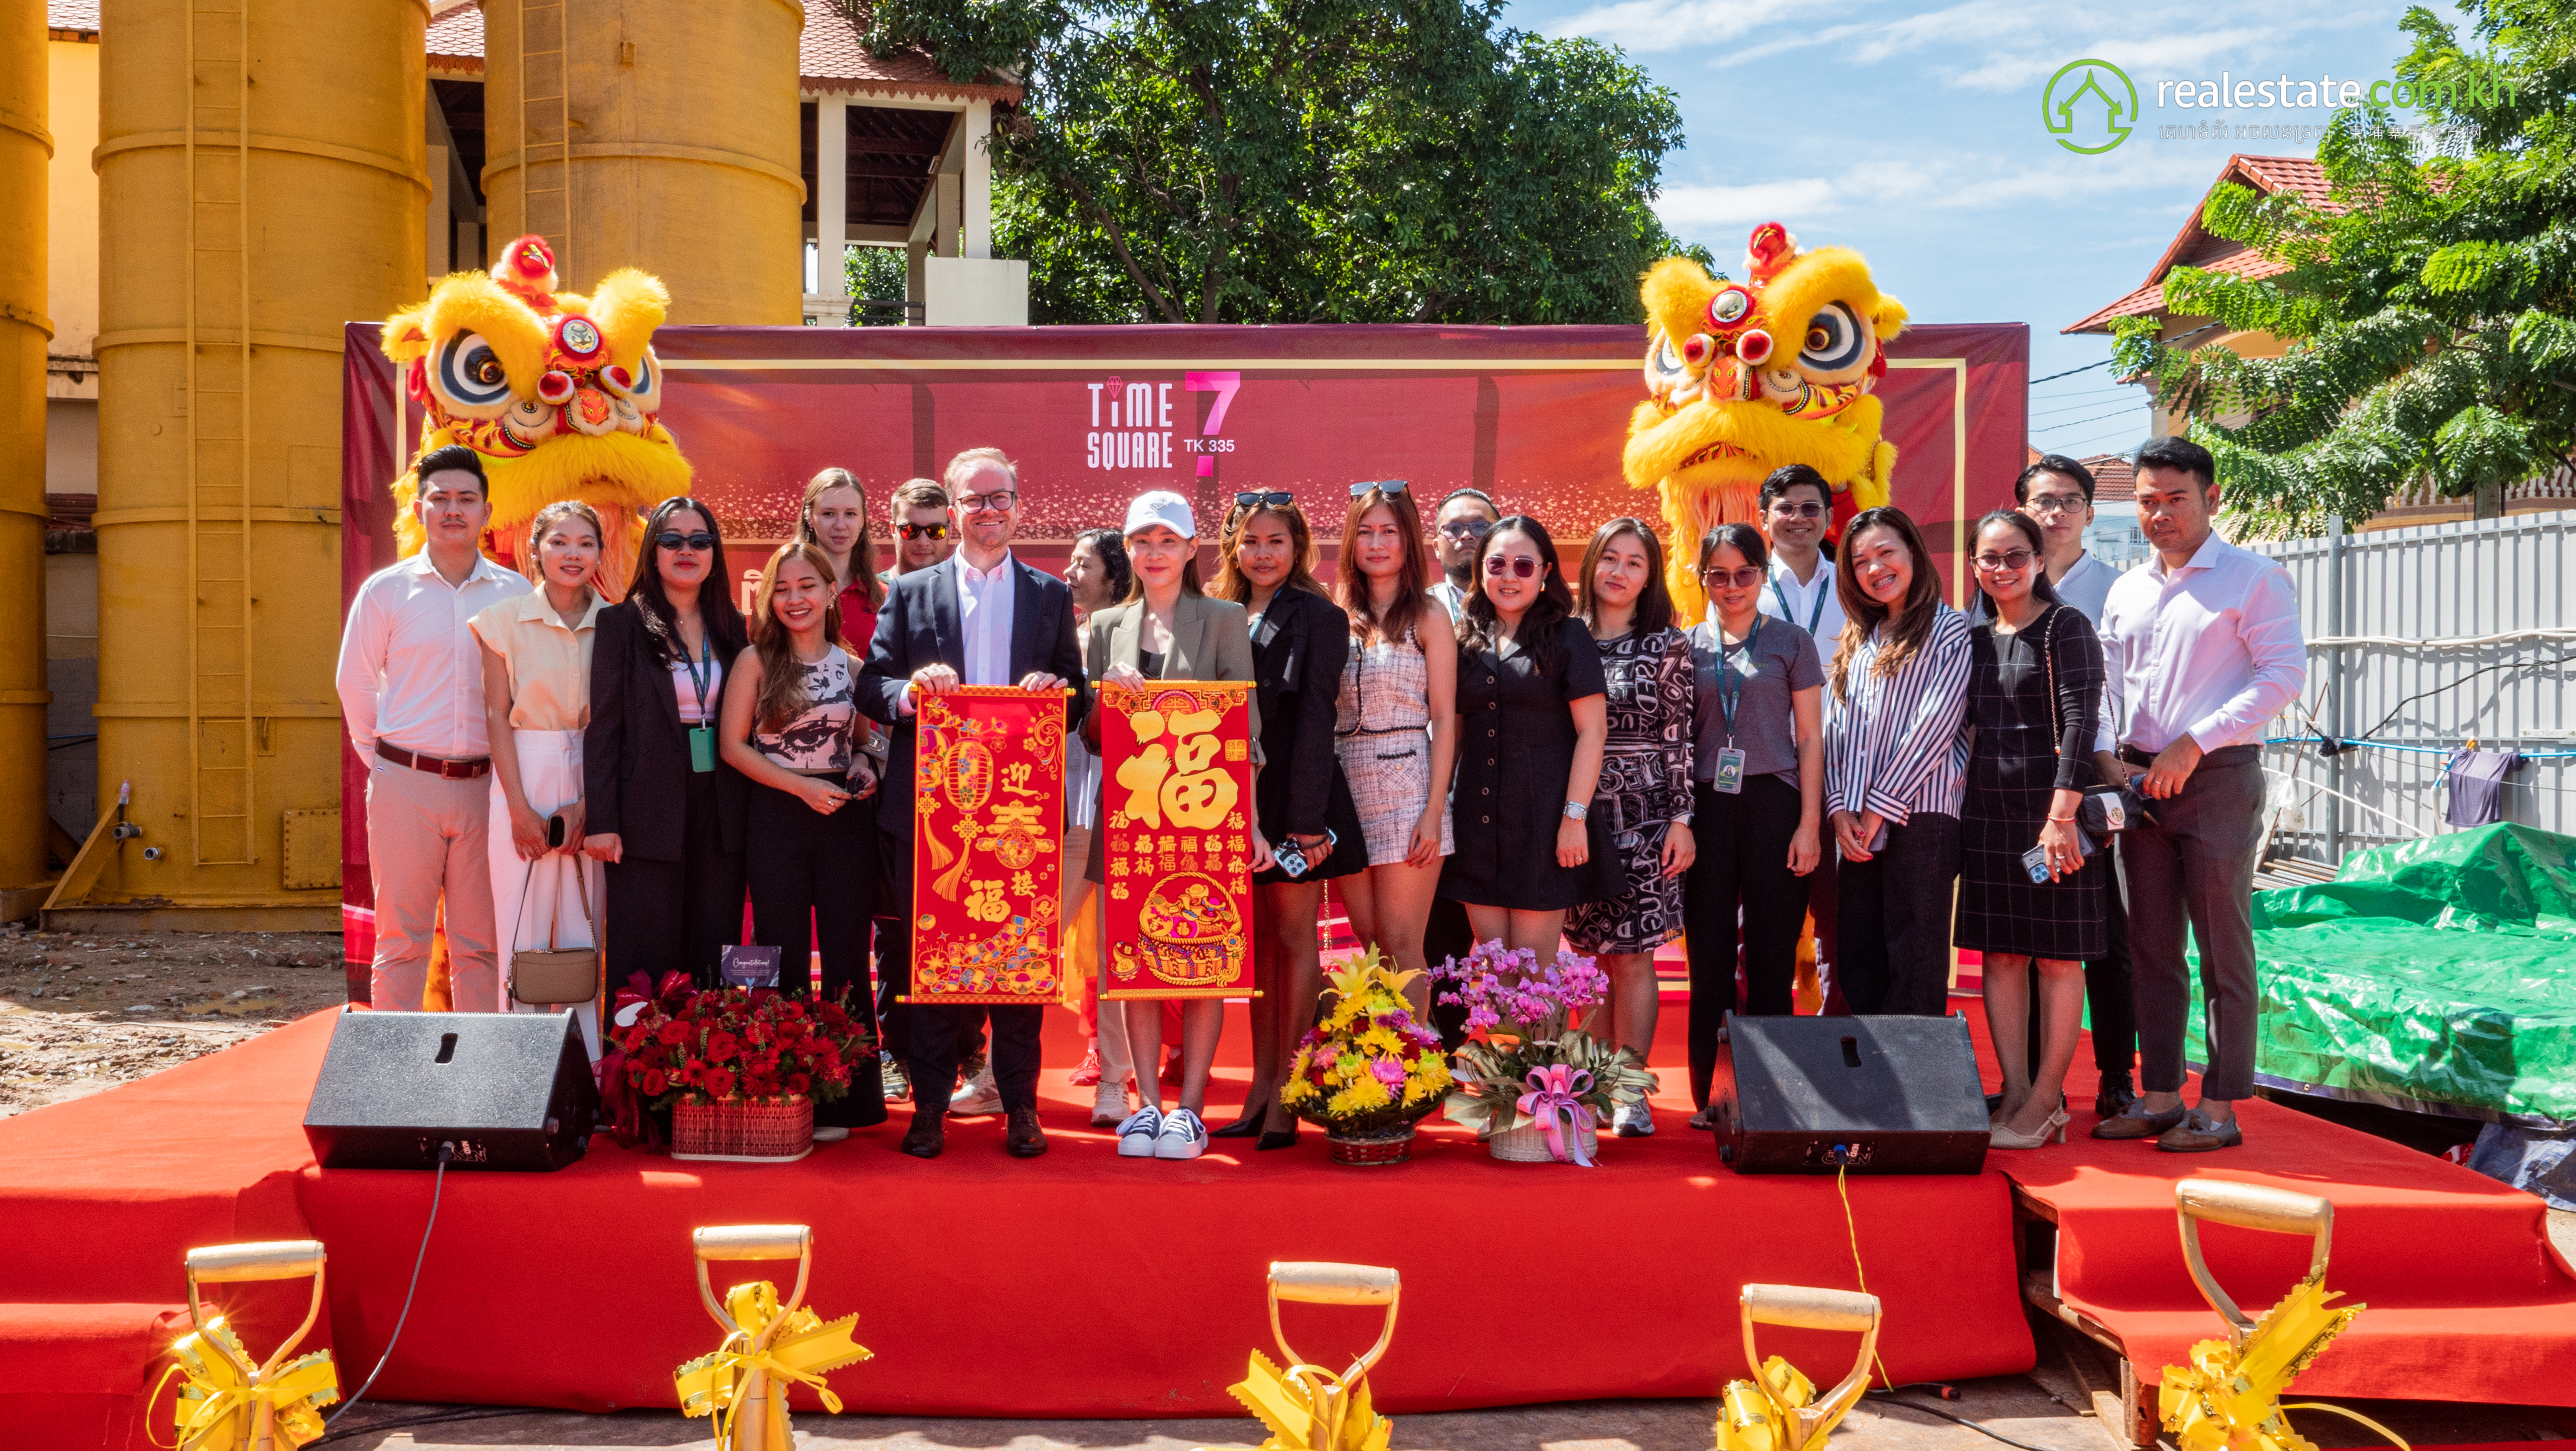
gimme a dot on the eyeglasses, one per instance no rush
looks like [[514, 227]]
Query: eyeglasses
[[1745, 578], [997, 500], [697, 543], [1462, 530], [923, 531], [1273, 498], [1388, 487], [1786, 510], [1521, 566], [2056, 503], [2011, 559]]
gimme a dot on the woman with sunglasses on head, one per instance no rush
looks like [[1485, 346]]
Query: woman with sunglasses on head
[[1759, 792], [1895, 754], [665, 811], [1394, 724], [2035, 672], [1533, 720], [1097, 575], [1300, 643], [1645, 787], [791, 726], [1168, 629], [536, 699]]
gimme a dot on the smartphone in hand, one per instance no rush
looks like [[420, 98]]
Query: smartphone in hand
[[555, 830]]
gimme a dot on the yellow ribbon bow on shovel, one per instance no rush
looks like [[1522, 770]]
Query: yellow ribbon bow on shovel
[[767, 1346], [1307, 1407], [228, 1403]]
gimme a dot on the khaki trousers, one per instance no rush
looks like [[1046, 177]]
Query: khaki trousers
[[427, 836]]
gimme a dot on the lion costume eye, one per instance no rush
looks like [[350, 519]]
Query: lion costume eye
[[469, 375], [1664, 368], [1835, 340]]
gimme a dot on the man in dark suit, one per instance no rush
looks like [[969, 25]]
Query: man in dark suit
[[978, 617]]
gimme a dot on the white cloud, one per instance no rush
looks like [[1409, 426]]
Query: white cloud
[[1660, 25], [1689, 210], [1961, 182]]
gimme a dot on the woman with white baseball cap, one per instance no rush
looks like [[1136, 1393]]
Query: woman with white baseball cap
[[1167, 630]]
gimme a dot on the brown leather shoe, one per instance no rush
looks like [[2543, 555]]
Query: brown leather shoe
[[1025, 1140], [2137, 1121], [2199, 1133], [927, 1136]]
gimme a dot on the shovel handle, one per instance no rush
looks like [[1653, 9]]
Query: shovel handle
[[277, 1259], [1320, 1282], [752, 1241], [2254, 1206], [1804, 1307]]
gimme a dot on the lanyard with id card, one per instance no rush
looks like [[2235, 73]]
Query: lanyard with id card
[[702, 736], [1730, 689]]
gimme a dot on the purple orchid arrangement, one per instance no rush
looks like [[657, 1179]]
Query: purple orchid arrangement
[[1522, 1036]]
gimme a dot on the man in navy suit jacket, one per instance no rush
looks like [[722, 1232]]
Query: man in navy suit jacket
[[978, 617]]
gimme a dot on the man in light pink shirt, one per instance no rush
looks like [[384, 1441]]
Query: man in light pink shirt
[[411, 689], [2204, 648]]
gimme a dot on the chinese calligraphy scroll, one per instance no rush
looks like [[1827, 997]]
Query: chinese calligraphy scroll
[[1176, 802], [988, 815]]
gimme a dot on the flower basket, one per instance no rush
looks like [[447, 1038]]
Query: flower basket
[[1372, 1148], [1528, 1143], [1368, 1072], [754, 1133], [1526, 1066]]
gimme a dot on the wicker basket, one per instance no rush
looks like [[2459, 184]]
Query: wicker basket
[[751, 1133], [1528, 1144], [1374, 1148]]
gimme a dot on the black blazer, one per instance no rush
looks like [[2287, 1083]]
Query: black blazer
[[1297, 659], [635, 752], [918, 626]]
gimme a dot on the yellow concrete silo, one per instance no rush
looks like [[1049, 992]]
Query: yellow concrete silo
[[261, 182], [25, 148], [659, 134]]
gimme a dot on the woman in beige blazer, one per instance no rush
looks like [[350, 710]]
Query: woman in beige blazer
[[1167, 630]]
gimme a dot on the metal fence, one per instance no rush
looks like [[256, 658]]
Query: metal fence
[[2420, 641]]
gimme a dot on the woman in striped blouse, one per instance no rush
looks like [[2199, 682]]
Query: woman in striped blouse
[[1895, 765]]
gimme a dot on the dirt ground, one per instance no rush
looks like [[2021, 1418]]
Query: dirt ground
[[80, 1012]]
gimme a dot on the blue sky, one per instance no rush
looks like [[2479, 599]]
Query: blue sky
[[1913, 133]]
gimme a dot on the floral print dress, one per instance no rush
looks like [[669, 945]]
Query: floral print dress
[[1645, 783]]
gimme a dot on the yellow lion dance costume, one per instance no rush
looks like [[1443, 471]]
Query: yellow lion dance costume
[[1747, 377], [560, 393]]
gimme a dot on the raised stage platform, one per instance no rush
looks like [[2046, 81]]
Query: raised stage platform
[[1081, 1284]]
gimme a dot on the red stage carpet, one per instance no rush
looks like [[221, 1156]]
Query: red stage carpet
[[1080, 1285]]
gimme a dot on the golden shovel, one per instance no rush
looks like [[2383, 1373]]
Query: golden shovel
[[229, 1404], [1307, 1407], [768, 1346], [1778, 1409]]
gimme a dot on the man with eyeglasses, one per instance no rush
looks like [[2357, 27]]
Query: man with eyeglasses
[[979, 617], [1797, 506], [1457, 533], [2056, 493]]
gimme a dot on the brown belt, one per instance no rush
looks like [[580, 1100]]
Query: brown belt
[[451, 770]]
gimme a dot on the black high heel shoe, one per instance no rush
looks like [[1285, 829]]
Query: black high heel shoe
[[1245, 1127], [1279, 1138]]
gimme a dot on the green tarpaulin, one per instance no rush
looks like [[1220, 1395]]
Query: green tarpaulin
[[2439, 974]]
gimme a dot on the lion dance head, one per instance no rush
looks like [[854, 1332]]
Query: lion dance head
[[1747, 377], [558, 392]]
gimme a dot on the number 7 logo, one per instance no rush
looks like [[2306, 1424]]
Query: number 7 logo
[[1223, 385]]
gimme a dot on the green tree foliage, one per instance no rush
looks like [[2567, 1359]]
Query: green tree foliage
[[1309, 160], [2430, 301], [875, 274]]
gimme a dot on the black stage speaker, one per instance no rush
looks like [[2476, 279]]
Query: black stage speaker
[[1881, 1095], [509, 1090]]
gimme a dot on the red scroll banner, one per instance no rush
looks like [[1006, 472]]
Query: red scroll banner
[[1176, 796], [988, 813]]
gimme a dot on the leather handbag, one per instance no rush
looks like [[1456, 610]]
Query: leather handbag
[[551, 976], [2106, 810]]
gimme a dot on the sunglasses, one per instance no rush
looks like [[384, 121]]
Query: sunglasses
[[2014, 559], [1269, 498], [1388, 487], [1463, 530], [1745, 578], [1520, 566], [922, 531], [698, 543], [1787, 510]]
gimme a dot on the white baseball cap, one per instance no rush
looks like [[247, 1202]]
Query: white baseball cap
[[1160, 506]]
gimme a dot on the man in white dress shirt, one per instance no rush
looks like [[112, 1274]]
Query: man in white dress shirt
[[1797, 507], [2203, 647], [411, 690]]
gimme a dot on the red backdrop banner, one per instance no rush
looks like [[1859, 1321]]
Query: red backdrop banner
[[1534, 416], [987, 868], [1176, 800]]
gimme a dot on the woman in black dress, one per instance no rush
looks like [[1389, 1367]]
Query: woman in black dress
[[2035, 673], [666, 812], [1532, 721], [1300, 642]]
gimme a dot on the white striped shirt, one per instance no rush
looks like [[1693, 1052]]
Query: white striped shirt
[[1898, 745]]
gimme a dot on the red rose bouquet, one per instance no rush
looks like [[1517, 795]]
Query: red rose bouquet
[[724, 1045]]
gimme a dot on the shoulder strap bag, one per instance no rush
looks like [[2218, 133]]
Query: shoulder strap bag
[[2105, 810], [551, 976]]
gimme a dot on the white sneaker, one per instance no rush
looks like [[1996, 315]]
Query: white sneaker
[[980, 1096], [1633, 1121], [1138, 1134], [830, 1133], [1182, 1136], [1109, 1104]]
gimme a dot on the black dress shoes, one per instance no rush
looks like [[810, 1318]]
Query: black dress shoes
[[2114, 1095], [927, 1136], [1025, 1140]]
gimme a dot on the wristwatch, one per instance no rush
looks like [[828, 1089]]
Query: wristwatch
[[1576, 811]]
